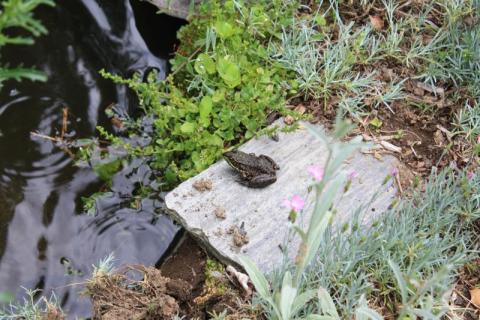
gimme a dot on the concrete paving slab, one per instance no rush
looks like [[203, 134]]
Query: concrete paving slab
[[212, 206]]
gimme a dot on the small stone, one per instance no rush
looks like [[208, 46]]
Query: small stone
[[203, 185], [288, 120], [220, 213], [240, 237], [377, 23]]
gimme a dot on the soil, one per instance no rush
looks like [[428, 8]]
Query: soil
[[468, 279], [181, 286]]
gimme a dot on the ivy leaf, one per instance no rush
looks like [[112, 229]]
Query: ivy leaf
[[106, 171], [187, 127], [229, 72], [215, 140], [204, 64], [224, 29], [205, 109]]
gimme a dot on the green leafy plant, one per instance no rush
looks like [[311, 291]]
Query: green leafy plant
[[428, 236], [18, 14], [221, 89]]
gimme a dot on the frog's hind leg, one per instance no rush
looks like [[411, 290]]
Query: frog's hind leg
[[260, 181], [270, 160]]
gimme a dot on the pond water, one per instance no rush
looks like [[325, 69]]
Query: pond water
[[45, 240]]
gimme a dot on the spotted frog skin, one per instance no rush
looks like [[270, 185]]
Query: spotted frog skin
[[256, 171]]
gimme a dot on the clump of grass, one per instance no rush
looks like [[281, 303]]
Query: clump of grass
[[323, 65], [467, 122], [406, 261], [105, 266], [402, 265], [33, 309]]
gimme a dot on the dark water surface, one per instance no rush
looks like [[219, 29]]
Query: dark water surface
[[42, 228]]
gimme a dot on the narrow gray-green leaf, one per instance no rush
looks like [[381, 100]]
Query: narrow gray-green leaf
[[257, 277]]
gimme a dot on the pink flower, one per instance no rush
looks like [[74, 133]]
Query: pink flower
[[352, 175], [316, 172], [295, 204], [394, 172], [470, 175]]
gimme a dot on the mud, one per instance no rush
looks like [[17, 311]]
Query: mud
[[187, 284]]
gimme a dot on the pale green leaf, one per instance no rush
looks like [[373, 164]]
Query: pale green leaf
[[205, 108], [257, 277], [319, 317], [365, 313], [204, 64], [288, 294], [400, 280], [326, 303], [229, 72], [302, 299], [224, 29], [187, 127]]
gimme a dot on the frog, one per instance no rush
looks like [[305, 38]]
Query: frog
[[255, 171]]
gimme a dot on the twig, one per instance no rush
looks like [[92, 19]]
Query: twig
[[64, 122], [55, 139], [399, 184], [187, 61]]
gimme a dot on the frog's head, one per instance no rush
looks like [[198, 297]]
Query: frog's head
[[235, 158]]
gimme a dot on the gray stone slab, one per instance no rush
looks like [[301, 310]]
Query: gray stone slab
[[265, 221], [176, 8]]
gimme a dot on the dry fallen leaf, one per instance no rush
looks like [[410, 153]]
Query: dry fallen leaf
[[377, 22], [390, 147], [240, 278], [438, 138], [300, 109], [475, 297]]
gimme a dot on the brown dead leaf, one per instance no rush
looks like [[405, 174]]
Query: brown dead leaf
[[475, 297], [438, 138], [300, 109], [239, 278], [117, 123], [377, 23]]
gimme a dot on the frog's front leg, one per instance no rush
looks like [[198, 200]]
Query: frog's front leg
[[260, 181]]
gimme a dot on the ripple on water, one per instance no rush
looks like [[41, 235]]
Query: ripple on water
[[45, 240]]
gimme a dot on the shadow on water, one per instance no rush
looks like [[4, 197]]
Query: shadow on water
[[43, 233]]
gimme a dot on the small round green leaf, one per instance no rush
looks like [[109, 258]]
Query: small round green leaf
[[187, 127], [229, 72], [224, 29], [204, 64]]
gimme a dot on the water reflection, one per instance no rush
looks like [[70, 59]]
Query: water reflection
[[44, 240]]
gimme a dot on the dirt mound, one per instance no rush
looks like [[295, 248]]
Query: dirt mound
[[188, 284], [119, 296]]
